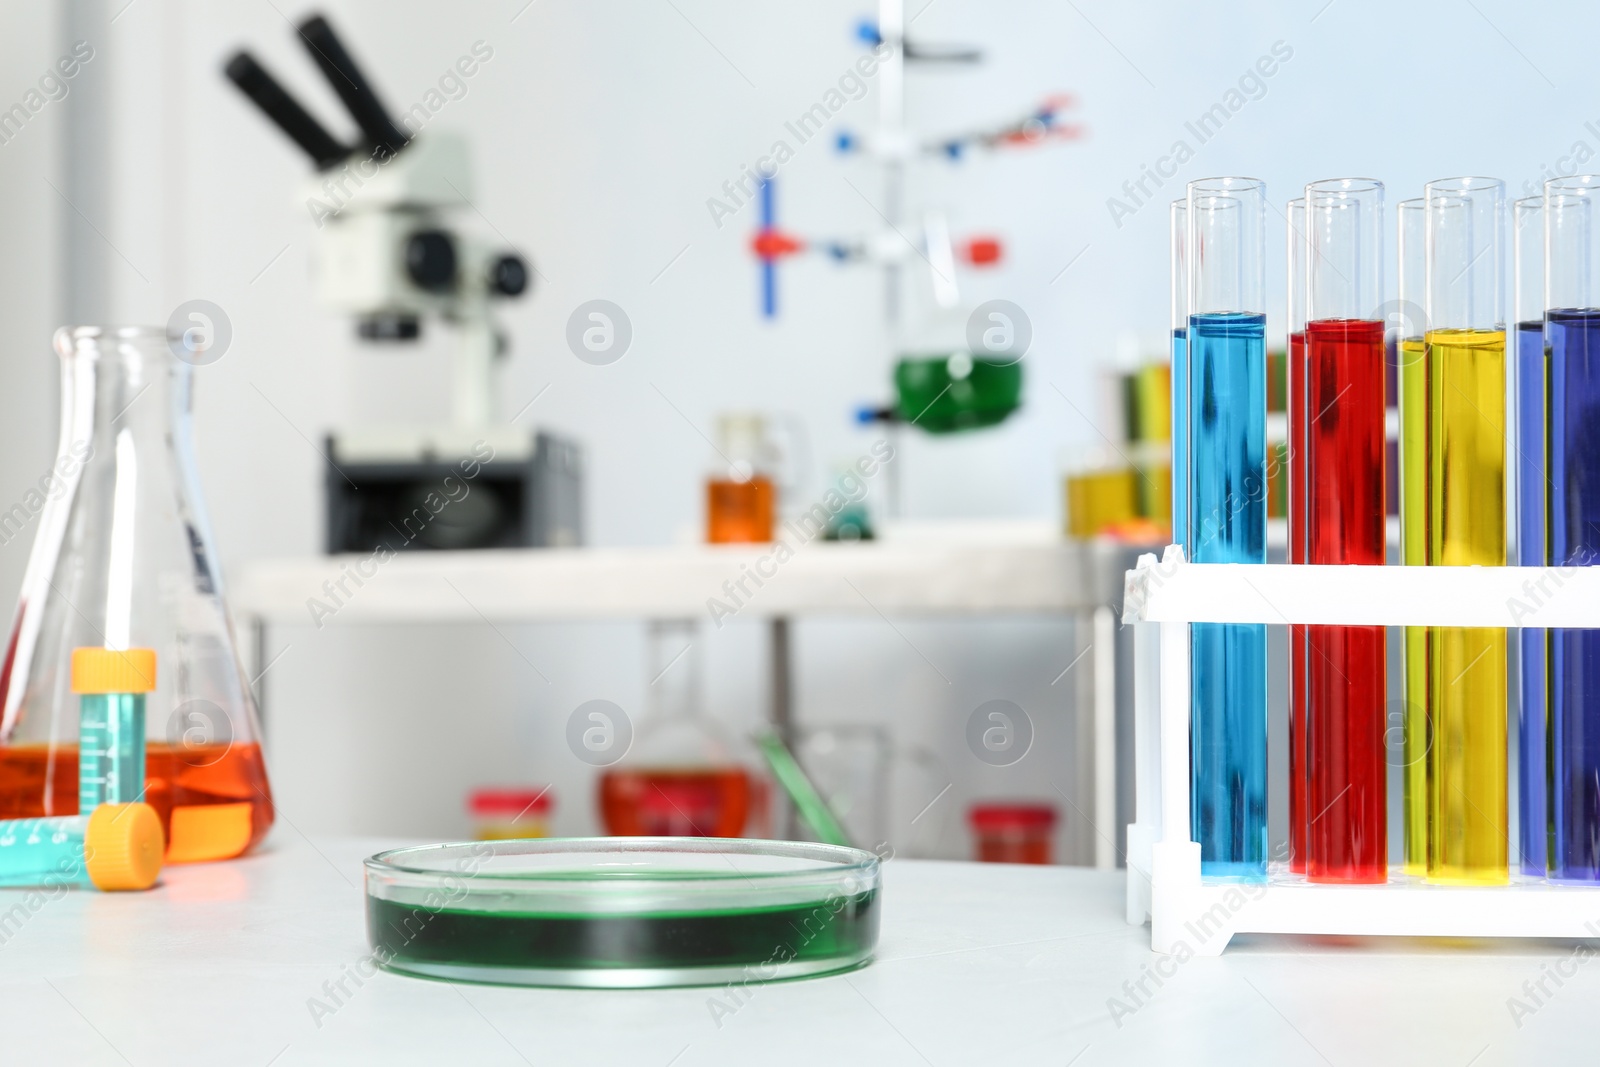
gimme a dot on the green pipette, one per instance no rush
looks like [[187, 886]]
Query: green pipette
[[787, 770]]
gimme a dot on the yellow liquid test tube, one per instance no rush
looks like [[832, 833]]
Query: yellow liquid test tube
[[1414, 553], [1465, 372]]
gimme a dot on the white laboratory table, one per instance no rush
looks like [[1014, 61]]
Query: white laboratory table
[[977, 964]]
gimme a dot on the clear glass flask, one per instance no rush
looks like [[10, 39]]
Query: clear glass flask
[[123, 557]]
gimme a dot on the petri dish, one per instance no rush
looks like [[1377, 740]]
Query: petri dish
[[623, 913]]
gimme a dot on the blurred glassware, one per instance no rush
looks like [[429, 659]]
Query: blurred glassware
[[849, 765], [683, 777], [741, 492]]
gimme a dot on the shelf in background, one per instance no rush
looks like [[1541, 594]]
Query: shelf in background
[[942, 569]]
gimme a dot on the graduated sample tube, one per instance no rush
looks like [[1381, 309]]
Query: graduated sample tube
[[1346, 690], [118, 846], [1295, 405], [1180, 372], [1572, 337], [111, 684], [1527, 307], [1227, 413], [1410, 218], [1465, 364]]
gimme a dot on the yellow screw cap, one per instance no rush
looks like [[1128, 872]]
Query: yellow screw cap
[[123, 846], [113, 670]]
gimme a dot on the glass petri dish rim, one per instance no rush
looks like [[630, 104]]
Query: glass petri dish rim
[[830, 863]]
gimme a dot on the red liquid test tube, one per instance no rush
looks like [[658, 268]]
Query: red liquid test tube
[[1346, 782]]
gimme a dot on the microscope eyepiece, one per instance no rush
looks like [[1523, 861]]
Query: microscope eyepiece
[[276, 103], [336, 64]]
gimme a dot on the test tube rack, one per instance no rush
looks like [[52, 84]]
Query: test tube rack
[[1190, 915]]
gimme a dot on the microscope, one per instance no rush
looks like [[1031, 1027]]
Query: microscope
[[388, 254]]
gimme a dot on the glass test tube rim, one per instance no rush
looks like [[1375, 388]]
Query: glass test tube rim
[[1296, 310], [1580, 187], [1527, 206], [1178, 234], [1413, 305], [1249, 193], [1367, 292], [1467, 190]]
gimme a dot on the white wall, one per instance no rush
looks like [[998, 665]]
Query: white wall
[[600, 129]]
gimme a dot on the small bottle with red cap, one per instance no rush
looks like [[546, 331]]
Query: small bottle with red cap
[[1009, 832], [508, 813]]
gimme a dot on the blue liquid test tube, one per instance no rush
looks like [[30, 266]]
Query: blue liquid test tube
[[118, 846], [1180, 373], [1527, 244], [1227, 521], [111, 684], [1572, 339]]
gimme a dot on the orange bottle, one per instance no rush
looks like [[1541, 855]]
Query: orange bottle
[[741, 499]]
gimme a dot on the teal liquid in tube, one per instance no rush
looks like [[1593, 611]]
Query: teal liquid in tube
[[1227, 524], [110, 749], [111, 684], [43, 852], [117, 846]]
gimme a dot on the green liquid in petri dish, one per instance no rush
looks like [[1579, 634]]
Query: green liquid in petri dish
[[406, 937]]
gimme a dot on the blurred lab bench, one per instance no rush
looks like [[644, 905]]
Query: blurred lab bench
[[920, 569]]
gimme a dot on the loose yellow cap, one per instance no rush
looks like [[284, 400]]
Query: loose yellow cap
[[113, 670], [123, 846]]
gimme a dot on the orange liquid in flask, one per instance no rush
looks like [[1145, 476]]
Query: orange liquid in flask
[[213, 800], [675, 802]]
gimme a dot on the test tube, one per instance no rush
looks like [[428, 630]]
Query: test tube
[[117, 846], [1295, 377], [1346, 690], [1227, 413], [1465, 355], [1410, 219], [1180, 373], [111, 685], [1572, 341], [1527, 273]]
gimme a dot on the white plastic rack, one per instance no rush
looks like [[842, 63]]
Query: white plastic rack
[[1190, 915]]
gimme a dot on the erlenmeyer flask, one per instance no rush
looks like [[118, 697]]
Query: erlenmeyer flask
[[682, 777], [123, 558]]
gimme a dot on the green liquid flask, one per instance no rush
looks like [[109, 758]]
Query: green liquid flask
[[111, 684], [119, 846]]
